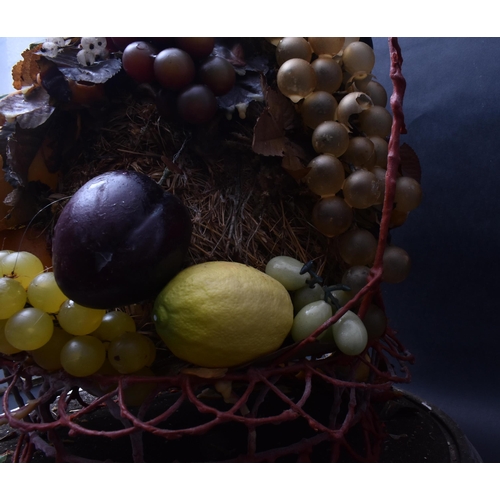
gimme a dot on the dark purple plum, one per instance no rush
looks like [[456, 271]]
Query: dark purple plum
[[119, 240]]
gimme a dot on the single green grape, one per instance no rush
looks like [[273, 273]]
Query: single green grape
[[396, 264], [332, 216], [326, 175], [5, 347], [48, 356], [318, 107], [3, 253], [328, 74], [306, 295], [29, 329], [114, 324], [12, 297], [79, 320], [296, 79], [309, 319], [330, 137], [83, 356], [408, 194], [357, 247], [330, 46], [45, 294], [361, 189], [293, 47], [342, 296], [358, 56], [375, 121], [377, 93], [286, 270], [129, 352], [356, 277], [349, 334], [21, 266], [360, 152], [375, 321]]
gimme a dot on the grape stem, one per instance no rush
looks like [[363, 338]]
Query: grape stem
[[315, 278], [329, 297]]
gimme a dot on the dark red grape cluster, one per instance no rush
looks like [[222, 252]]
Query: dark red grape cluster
[[190, 77]]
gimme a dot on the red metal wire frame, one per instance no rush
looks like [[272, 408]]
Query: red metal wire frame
[[188, 387]]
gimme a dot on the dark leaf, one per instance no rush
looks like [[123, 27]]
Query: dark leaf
[[99, 72], [410, 164], [21, 148], [5, 132], [249, 70], [54, 82], [243, 55], [247, 89], [234, 55], [29, 109]]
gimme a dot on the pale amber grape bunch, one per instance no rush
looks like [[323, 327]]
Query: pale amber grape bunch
[[37, 318], [330, 81]]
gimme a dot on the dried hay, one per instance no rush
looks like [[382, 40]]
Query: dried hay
[[245, 207]]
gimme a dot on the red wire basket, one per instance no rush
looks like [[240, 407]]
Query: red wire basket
[[302, 403]]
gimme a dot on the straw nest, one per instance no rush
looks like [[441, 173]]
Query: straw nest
[[245, 207]]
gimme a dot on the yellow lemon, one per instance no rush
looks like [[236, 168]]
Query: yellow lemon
[[222, 314]]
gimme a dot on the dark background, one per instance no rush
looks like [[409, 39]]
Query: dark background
[[447, 311]]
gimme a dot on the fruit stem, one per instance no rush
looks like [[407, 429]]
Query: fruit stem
[[329, 297], [315, 278]]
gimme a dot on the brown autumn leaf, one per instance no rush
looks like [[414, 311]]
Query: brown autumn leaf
[[281, 109], [268, 136], [294, 160], [278, 116], [24, 72], [293, 166]]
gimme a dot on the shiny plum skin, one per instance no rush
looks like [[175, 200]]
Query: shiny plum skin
[[119, 240]]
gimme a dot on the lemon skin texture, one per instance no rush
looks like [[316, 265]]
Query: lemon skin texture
[[222, 314]]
